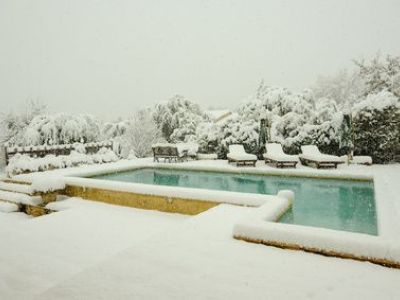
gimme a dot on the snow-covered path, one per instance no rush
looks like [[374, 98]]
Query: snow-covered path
[[198, 259]]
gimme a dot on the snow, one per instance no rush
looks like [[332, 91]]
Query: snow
[[378, 101], [237, 152], [7, 207], [207, 156], [59, 128], [366, 160], [312, 152], [20, 198], [12, 187], [241, 156], [275, 152], [110, 252], [216, 115], [23, 163], [47, 184], [38, 253], [198, 259]]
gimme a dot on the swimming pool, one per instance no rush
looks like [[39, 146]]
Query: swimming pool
[[329, 203]]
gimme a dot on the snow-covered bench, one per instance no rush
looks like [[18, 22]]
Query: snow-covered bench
[[168, 152], [311, 155], [238, 155], [276, 155]]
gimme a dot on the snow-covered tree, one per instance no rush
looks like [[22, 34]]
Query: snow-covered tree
[[325, 109], [344, 87], [377, 126], [60, 129], [12, 125], [380, 75], [177, 118], [140, 135], [112, 130], [346, 145]]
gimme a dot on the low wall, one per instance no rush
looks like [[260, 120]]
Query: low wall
[[142, 201]]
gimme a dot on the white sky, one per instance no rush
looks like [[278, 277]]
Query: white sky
[[112, 57]]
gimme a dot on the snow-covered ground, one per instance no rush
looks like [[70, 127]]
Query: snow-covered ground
[[38, 253], [91, 250]]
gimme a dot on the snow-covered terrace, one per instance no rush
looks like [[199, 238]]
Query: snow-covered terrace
[[91, 250]]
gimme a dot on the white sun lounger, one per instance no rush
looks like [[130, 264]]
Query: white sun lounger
[[238, 155], [312, 155], [276, 155]]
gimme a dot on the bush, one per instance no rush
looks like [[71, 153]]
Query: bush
[[376, 127]]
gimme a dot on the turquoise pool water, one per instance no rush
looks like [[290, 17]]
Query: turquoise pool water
[[328, 203]]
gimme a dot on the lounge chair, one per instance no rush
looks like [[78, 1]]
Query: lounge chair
[[276, 155], [312, 155], [238, 155]]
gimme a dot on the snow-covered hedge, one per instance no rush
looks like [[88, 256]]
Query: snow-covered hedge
[[24, 164]]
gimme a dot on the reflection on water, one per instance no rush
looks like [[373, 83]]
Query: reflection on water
[[336, 204]]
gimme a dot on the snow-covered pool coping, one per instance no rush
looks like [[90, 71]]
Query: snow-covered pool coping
[[235, 198], [385, 183], [207, 166], [261, 227]]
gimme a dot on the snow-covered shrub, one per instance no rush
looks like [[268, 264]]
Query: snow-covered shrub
[[60, 129], [105, 155], [79, 147], [141, 133], [209, 136], [19, 164], [238, 131], [177, 119], [377, 126]]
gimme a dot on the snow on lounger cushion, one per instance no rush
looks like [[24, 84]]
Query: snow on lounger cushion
[[275, 152], [311, 152], [236, 152]]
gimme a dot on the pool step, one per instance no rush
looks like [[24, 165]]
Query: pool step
[[7, 207], [16, 187], [19, 196]]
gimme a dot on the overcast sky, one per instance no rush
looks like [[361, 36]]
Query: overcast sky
[[112, 57]]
